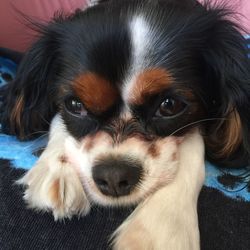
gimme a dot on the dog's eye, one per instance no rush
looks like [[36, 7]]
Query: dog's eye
[[170, 107], [75, 107]]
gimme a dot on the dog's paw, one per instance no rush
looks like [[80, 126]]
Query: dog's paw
[[55, 188], [165, 220], [132, 235]]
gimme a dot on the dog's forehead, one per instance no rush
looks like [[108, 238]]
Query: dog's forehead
[[146, 73], [127, 69]]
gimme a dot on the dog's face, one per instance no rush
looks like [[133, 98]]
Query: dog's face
[[121, 169], [128, 80]]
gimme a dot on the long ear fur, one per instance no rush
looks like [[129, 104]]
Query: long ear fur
[[27, 103], [228, 140]]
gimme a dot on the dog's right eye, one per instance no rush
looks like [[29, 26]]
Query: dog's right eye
[[75, 107]]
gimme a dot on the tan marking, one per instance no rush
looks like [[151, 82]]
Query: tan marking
[[153, 150], [96, 93], [15, 117], [149, 82], [174, 156], [54, 193], [227, 138], [233, 134], [63, 159], [89, 144]]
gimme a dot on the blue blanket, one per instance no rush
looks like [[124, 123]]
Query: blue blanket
[[24, 154]]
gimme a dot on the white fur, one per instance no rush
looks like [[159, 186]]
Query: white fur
[[141, 39], [168, 219], [48, 170]]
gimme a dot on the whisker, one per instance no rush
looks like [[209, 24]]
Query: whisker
[[47, 122], [31, 144], [196, 122], [43, 132]]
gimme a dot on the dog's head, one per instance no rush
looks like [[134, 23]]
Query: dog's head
[[124, 76]]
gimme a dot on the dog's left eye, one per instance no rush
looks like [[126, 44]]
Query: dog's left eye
[[170, 107], [75, 107]]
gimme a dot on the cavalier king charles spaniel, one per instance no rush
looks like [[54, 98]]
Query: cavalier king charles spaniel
[[136, 94]]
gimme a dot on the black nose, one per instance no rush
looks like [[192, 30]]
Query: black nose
[[116, 176]]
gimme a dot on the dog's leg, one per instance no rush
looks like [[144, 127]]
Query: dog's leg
[[168, 219], [53, 184]]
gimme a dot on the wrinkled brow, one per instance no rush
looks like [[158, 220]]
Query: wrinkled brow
[[96, 93], [149, 82]]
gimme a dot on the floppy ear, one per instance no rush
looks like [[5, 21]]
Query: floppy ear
[[228, 72], [27, 102]]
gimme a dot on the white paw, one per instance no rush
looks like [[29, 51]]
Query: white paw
[[132, 235], [55, 186], [157, 229]]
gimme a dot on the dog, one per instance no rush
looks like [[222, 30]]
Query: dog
[[131, 90]]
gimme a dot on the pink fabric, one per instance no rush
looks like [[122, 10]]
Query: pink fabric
[[15, 35], [242, 7]]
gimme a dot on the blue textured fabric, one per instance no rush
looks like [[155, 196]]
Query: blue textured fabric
[[22, 154], [7, 69]]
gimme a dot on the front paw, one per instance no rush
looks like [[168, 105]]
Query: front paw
[[165, 220], [132, 235], [55, 188]]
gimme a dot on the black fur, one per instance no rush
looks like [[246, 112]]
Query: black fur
[[34, 79]]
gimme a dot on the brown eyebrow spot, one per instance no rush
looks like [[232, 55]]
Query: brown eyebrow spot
[[149, 82], [96, 93]]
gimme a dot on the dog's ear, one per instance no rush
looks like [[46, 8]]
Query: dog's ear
[[228, 75], [27, 102]]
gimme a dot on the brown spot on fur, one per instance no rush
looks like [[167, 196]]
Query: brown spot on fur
[[15, 117], [89, 143], [149, 82], [63, 159], [153, 150], [54, 192], [174, 157], [96, 93]]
